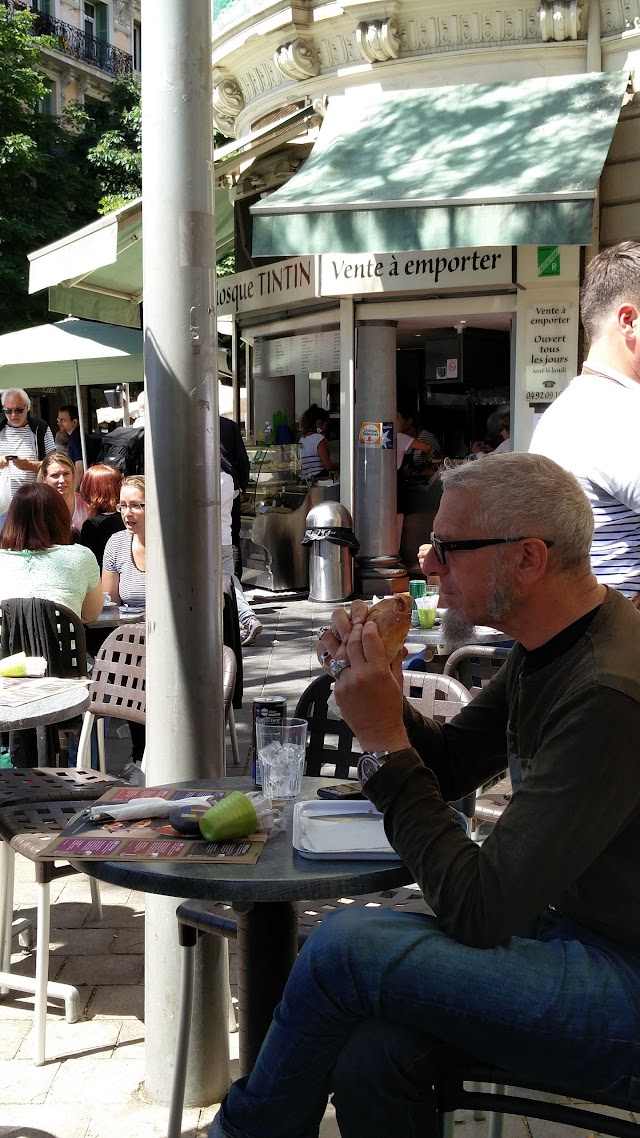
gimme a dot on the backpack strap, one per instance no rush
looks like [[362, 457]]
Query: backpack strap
[[39, 428]]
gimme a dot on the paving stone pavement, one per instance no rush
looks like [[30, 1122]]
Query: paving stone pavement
[[92, 1084]]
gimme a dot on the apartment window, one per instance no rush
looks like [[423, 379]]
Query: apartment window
[[47, 104], [43, 6], [96, 20], [89, 19], [137, 45]]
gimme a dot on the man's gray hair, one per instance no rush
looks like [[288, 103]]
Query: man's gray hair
[[19, 392], [528, 495]]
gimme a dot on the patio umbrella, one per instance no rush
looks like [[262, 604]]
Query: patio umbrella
[[48, 355]]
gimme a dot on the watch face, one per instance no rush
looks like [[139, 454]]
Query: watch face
[[367, 766]]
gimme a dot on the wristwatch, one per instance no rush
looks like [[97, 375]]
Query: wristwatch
[[370, 762]]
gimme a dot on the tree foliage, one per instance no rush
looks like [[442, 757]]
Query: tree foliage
[[44, 192], [57, 175]]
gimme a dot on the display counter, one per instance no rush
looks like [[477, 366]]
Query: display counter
[[274, 511]]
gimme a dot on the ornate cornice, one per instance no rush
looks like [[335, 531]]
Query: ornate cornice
[[560, 19], [378, 40], [620, 16], [228, 101], [297, 59]]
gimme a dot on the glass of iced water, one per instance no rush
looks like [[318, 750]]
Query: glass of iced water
[[281, 754]]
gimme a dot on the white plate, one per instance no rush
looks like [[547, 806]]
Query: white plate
[[340, 831]]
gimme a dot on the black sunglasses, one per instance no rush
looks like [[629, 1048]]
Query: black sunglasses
[[440, 548]]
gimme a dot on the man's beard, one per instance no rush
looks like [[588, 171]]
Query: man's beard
[[458, 629]]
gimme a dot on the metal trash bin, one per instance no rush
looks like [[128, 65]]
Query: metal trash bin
[[329, 532]]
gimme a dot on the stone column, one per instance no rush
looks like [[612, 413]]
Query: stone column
[[378, 569]]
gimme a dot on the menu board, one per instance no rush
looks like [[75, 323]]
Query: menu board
[[297, 355]]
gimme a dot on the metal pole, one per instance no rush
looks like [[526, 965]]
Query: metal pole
[[347, 402], [378, 568], [235, 355], [185, 712], [83, 441]]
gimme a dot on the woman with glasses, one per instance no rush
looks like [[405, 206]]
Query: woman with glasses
[[124, 562], [123, 578], [58, 471], [100, 489]]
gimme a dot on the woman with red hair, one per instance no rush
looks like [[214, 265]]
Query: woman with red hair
[[100, 489]]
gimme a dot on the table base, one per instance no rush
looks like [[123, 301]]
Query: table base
[[267, 949]]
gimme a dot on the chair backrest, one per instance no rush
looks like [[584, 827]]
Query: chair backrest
[[228, 677], [330, 741], [438, 697], [475, 664], [119, 675], [45, 628]]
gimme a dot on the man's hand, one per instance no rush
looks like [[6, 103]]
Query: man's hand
[[423, 553], [3, 461], [635, 601], [334, 639], [368, 693], [26, 464]]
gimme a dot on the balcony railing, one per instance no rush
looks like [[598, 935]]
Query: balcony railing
[[76, 43]]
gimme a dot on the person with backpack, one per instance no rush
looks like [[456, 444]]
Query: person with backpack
[[124, 449], [24, 440]]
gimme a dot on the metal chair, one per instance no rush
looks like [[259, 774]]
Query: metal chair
[[42, 628], [475, 664], [117, 688], [35, 804], [229, 669], [452, 1095]]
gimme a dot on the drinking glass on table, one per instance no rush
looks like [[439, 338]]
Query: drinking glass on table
[[281, 754], [427, 606]]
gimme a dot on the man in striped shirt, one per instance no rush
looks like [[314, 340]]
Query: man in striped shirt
[[24, 441], [593, 428]]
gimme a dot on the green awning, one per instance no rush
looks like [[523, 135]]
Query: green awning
[[448, 167], [96, 272]]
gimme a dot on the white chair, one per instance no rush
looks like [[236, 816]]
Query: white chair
[[117, 688]]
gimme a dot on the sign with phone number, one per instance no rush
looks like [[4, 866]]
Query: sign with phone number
[[541, 396]]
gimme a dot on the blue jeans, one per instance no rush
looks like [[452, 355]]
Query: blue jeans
[[378, 1001]]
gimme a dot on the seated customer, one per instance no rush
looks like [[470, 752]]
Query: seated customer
[[58, 471], [100, 489], [532, 960], [124, 561], [37, 558], [123, 578]]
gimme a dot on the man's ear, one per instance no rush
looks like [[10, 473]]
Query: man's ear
[[628, 315], [531, 560]]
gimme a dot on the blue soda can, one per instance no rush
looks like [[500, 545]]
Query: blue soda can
[[267, 709]]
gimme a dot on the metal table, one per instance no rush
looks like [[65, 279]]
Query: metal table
[[111, 617], [436, 644], [264, 897], [42, 712]]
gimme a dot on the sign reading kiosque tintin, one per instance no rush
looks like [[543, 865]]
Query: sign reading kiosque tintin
[[347, 274]]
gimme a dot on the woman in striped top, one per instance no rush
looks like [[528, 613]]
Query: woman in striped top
[[124, 562], [314, 452]]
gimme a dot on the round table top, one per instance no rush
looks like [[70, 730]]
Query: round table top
[[48, 709], [112, 616], [280, 874], [435, 638]]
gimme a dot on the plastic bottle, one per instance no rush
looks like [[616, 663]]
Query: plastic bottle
[[267, 432]]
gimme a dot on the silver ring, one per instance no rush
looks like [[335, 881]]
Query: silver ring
[[338, 666], [321, 632], [324, 656]]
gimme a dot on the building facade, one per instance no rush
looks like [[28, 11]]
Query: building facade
[[322, 197], [92, 42]]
